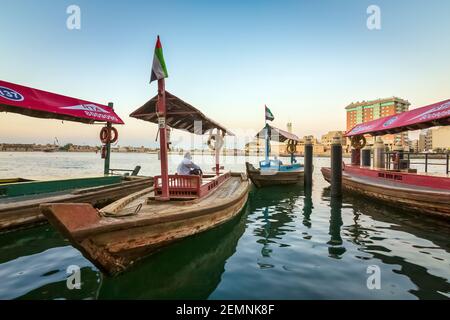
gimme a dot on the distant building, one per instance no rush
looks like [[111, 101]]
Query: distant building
[[438, 138], [255, 147], [421, 146], [327, 139], [16, 147], [365, 111], [414, 145], [289, 127]]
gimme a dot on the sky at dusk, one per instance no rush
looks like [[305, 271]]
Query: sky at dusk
[[306, 60]]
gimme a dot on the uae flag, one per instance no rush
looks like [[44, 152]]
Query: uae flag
[[269, 115], [159, 70]]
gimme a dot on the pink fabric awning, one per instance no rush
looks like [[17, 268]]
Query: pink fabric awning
[[437, 114], [42, 104]]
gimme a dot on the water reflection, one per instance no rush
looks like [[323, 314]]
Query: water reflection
[[189, 269], [276, 209], [307, 207], [335, 249], [396, 238]]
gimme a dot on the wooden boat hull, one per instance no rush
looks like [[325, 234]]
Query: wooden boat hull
[[276, 179], [115, 243], [26, 213], [418, 199]]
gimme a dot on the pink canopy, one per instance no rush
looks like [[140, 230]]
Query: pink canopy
[[437, 114], [42, 104]]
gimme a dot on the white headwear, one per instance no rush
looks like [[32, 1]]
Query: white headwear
[[187, 155]]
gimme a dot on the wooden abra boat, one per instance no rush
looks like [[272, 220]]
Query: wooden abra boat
[[19, 202], [401, 189], [273, 172], [284, 175], [133, 227], [179, 206], [20, 198]]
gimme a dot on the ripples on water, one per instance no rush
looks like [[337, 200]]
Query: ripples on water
[[287, 244]]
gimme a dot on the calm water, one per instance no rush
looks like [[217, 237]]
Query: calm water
[[287, 244]]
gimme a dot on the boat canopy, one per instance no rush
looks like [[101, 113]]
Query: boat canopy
[[179, 115], [42, 104], [274, 132], [437, 114]]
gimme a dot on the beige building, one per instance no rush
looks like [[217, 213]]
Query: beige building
[[421, 144], [327, 139], [438, 138], [255, 147]]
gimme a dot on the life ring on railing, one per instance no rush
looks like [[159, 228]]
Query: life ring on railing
[[291, 146], [358, 142], [218, 141], [106, 135]]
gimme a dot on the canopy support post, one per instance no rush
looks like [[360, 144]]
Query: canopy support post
[[163, 140], [217, 150], [108, 144], [267, 143]]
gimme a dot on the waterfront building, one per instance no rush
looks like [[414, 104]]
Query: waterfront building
[[327, 138], [360, 112], [422, 142], [438, 138]]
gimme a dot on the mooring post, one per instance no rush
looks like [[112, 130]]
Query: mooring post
[[308, 162], [336, 167]]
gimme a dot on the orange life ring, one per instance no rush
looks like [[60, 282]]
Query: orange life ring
[[106, 136]]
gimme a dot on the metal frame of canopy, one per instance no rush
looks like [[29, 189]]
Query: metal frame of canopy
[[168, 110], [37, 103]]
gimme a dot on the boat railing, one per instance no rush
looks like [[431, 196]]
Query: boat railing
[[402, 160], [213, 184], [180, 186], [189, 186]]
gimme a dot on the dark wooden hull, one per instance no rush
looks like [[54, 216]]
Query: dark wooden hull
[[279, 178], [26, 213], [115, 243], [435, 203]]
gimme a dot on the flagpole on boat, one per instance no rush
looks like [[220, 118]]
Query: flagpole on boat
[[267, 135], [163, 140]]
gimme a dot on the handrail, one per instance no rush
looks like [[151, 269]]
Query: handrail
[[426, 156]]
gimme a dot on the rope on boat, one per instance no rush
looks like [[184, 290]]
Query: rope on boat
[[132, 211]]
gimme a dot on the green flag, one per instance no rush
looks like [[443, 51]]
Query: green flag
[[159, 70], [269, 115]]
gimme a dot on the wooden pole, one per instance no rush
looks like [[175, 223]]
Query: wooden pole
[[108, 145], [218, 137], [308, 162], [163, 140], [336, 167]]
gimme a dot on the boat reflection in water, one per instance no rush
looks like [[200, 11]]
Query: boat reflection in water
[[189, 269], [411, 260], [276, 208]]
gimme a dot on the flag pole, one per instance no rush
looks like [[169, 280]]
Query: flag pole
[[163, 140]]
